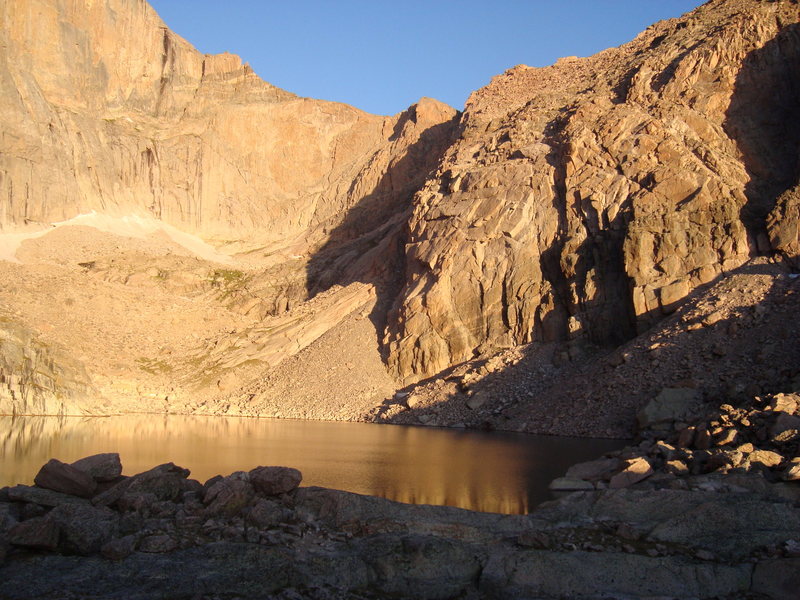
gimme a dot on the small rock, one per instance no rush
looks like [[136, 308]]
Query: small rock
[[728, 436], [626, 532], [101, 467], [719, 350], [165, 482], [273, 481], [209, 484], [9, 515], [476, 400], [61, 477], [792, 471], [29, 511], [664, 449], [414, 400], [704, 555], [714, 317], [40, 533], [676, 467]]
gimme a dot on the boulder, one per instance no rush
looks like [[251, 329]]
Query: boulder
[[671, 404], [84, 528], [228, 497], [165, 482], [635, 470], [767, 458], [266, 514], [101, 467], [39, 533], [61, 477], [594, 470], [273, 481], [787, 403], [41, 496]]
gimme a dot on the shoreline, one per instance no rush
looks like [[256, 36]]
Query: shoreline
[[257, 534]]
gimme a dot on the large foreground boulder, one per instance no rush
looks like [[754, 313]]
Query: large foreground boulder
[[61, 477]]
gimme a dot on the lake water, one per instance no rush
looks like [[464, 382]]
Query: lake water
[[491, 472]]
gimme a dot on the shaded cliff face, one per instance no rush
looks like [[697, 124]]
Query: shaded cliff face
[[587, 198], [106, 109]]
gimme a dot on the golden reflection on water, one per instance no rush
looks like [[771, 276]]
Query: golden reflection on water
[[491, 472]]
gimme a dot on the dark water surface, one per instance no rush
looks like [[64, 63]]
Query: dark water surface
[[492, 472]]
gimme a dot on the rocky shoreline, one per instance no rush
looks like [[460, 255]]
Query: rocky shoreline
[[704, 506]]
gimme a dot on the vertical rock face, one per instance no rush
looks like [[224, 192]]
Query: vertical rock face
[[105, 109], [589, 197], [36, 379]]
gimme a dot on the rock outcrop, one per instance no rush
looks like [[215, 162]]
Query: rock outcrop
[[36, 378], [588, 198]]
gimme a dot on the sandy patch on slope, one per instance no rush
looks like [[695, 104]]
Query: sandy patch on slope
[[153, 232]]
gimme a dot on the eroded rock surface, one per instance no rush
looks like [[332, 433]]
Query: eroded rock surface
[[588, 198]]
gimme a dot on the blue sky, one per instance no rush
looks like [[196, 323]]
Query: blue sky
[[381, 56]]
